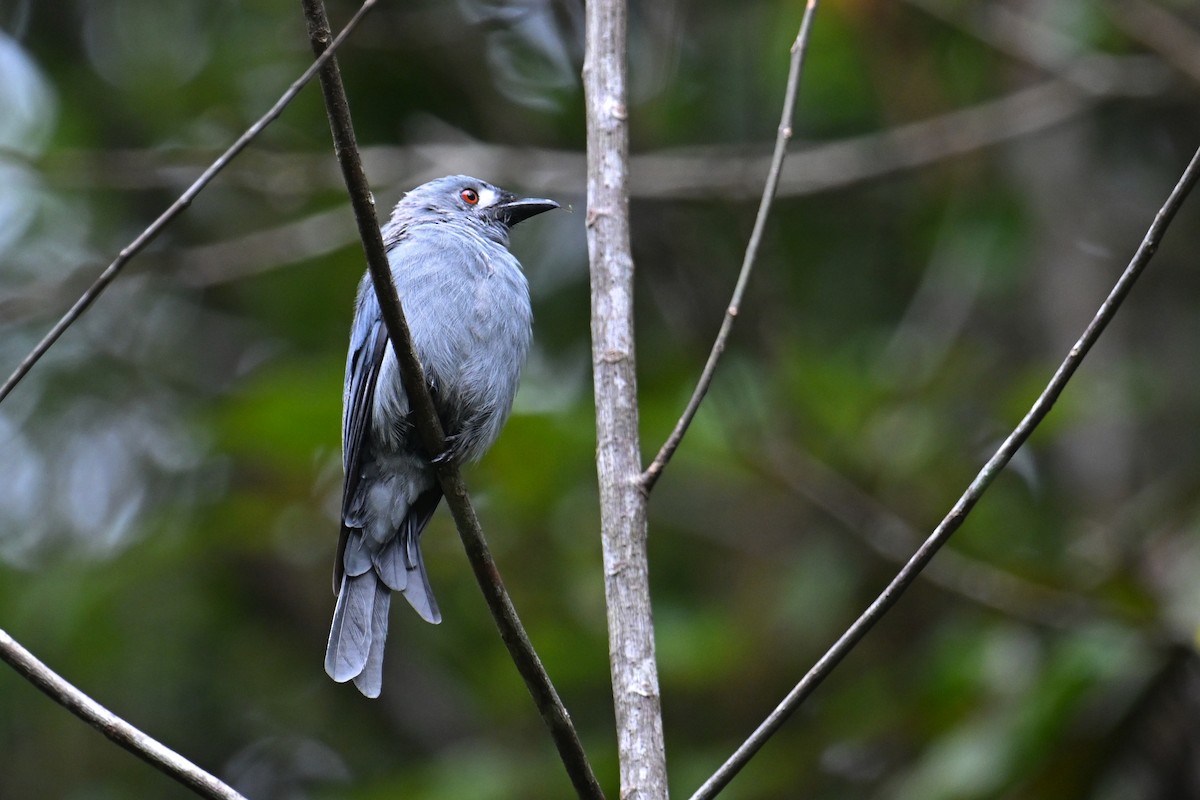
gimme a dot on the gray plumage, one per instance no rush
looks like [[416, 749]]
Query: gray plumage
[[467, 306]]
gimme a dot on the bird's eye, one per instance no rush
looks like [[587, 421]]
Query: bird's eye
[[469, 196]]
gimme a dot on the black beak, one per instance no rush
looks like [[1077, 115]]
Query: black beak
[[518, 209]]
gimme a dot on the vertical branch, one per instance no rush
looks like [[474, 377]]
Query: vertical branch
[[958, 514], [618, 457], [784, 135]]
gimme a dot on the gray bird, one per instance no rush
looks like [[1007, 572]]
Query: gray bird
[[467, 305]]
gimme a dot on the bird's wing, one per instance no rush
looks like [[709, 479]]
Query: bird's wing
[[368, 344]]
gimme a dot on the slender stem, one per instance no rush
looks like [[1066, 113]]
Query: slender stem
[[958, 514], [118, 730], [636, 700], [893, 538], [798, 50], [20, 659], [528, 664], [149, 234]]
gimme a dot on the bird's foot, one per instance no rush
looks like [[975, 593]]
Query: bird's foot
[[449, 453]]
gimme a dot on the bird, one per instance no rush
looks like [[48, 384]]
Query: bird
[[466, 301]]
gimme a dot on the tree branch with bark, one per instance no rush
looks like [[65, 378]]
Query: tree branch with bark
[[632, 664], [150, 750], [512, 632]]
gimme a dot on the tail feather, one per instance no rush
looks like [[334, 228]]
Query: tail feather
[[419, 593], [390, 564], [370, 567], [355, 556], [370, 680], [351, 635]]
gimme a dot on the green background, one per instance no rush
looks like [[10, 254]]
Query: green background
[[170, 472]]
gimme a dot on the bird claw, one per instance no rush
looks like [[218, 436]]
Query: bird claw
[[447, 455]]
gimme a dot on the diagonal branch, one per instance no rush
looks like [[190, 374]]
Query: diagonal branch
[[175, 209], [118, 730], [20, 659], [958, 514], [893, 538], [799, 48], [432, 436]]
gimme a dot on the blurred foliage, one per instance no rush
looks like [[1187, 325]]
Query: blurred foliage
[[170, 474]]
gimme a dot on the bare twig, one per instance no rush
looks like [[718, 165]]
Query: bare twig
[[728, 171], [175, 209], [893, 538], [958, 514], [432, 436], [661, 175], [799, 48], [664, 174], [54, 686], [636, 698], [118, 730]]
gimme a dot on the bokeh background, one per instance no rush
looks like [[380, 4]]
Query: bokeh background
[[967, 181]]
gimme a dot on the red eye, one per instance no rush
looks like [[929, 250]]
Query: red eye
[[469, 196]]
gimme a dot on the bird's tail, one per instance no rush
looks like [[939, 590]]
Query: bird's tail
[[359, 630], [367, 571], [401, 568], [419, 594]]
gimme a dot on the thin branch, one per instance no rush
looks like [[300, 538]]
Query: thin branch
[[668, 173], [623, 529], [893, 538], [21, 660], [116, 729], [958, 514], [175, 209], [659, 175], [432, 436], [798, 50]]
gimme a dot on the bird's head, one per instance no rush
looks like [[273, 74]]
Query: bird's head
[[467, 200]]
